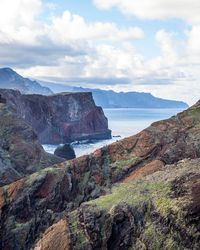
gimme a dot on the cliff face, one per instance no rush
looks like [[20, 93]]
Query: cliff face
[[142, 194], [20, 151], [61, 118]]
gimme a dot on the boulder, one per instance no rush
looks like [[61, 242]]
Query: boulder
[[65, 151]]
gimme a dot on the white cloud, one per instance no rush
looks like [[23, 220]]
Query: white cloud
[[155, 9], [74, 27], [69, 47], [17, 20], [194, 40], [171, 74], [18, 13], [18, 23], [166, 43], [26, 40]]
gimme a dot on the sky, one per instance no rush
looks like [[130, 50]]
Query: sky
[[123, 45]]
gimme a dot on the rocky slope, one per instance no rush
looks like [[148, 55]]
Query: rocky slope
[[160, 211], [9, 79], [60, 118], [20, 151], [156, 205]]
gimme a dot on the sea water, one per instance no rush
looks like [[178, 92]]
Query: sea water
[[123, 123]]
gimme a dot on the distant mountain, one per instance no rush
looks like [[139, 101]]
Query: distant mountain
[[111, 99], [9, 79]]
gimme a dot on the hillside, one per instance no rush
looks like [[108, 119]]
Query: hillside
[[111, 99], [137, 193], [9, 79]]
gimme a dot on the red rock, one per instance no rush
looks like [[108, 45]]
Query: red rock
[[60, 118]]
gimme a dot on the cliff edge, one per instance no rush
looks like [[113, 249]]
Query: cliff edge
[[60, 118]]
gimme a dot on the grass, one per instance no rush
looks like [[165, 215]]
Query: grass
[[120, 165], [194, 112], [137, 192], [154, 237], [156, 195], [158, 240]]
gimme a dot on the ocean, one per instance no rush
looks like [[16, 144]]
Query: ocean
[[123, 123]]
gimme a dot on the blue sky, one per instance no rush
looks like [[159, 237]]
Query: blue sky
[[124, 45]]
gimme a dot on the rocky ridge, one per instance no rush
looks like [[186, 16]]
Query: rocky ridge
[[155, 206]]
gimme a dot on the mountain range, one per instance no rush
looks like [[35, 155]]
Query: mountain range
[[112, 99], [9, 79]]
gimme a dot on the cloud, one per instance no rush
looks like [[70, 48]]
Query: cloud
[[89, 81], [17, 20], [194, 40], [122, 67], [73, 27], [18, 13], [65, 42], [187, 10], [69, 48]]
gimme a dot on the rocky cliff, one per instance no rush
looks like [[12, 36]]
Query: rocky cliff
[[20, 151], [138, 193], [60, 118]]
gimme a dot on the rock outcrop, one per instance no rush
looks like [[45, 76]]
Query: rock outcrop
[[137, 193], [65, 151], [60, 118], [20, 151]]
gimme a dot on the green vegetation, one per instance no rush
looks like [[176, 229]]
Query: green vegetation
[[154, 237], [137, 192], [76, 228], [42, 173], [119, 166], [157, 240], [194, 112]]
